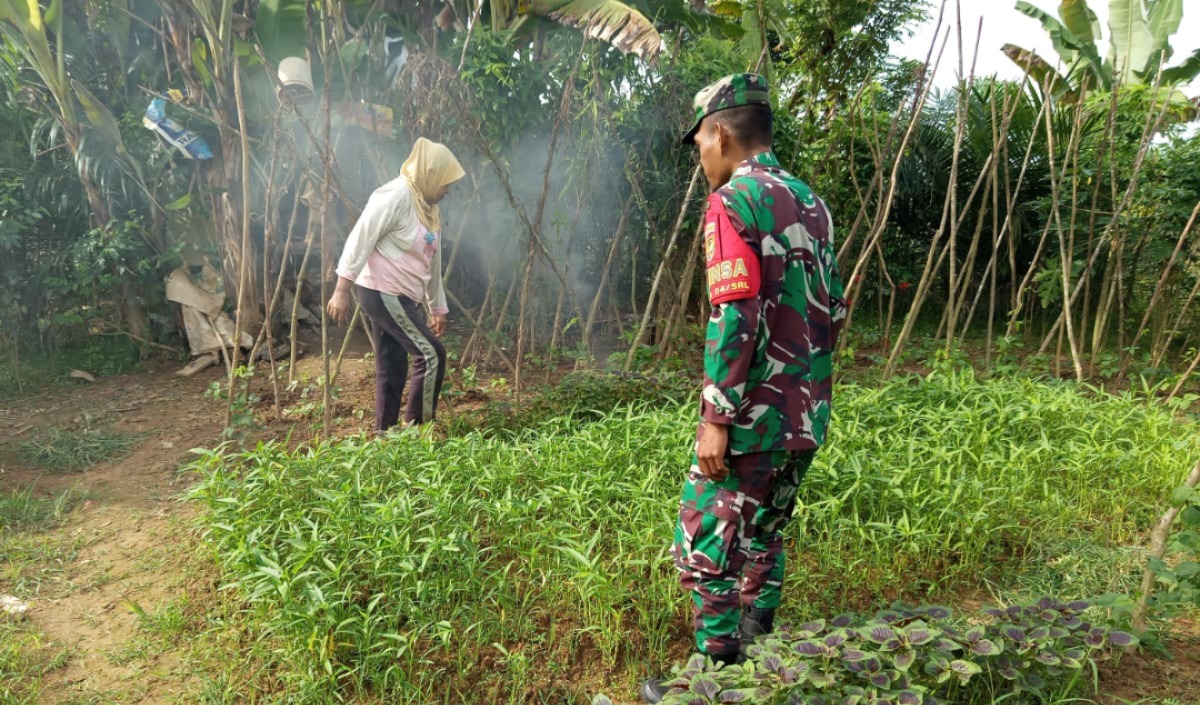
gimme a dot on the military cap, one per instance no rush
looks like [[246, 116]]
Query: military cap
[[732, 91]]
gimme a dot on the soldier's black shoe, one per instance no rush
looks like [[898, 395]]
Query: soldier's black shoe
[[655, 689], [755, 623]]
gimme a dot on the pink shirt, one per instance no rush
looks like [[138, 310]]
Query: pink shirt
[[409, 275], [390, 251]]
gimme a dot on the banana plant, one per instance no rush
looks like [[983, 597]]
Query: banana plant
[[281, 27], [609, 21], [281, 23], [631, 27], [1140, 34]]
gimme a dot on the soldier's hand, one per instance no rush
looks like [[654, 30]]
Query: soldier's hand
[[710, 451]]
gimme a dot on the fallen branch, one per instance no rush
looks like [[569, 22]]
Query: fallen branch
[[142, 340]]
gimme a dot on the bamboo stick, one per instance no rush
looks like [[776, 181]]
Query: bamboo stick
[[1064, 250], [327, 159], [1107, 293], [677, 318], [536, 227], [613, 248], [1174, 329], [964, 107], [244, 258], [1166, 273], [932, 266], [1158, 549], [1149, 130], [479, 329], [666, 258], [885, 205], [1184, 377]]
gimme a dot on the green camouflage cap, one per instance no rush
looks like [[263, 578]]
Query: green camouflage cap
[[732, 91]]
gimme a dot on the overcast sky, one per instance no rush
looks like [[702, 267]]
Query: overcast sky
[[1002, 23]]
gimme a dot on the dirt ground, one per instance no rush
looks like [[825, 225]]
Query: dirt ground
[[118, 542], [128, 552], [1149, 678], [128, 549]]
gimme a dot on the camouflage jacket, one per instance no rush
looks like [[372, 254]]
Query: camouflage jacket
[[778, 305]]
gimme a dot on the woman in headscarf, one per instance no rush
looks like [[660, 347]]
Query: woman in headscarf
[[394, 256]]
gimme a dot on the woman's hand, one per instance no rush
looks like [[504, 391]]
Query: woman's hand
[[339, 306], [437, 324]]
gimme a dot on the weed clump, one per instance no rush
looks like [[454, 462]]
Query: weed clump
[[21, 510], [59, 450]]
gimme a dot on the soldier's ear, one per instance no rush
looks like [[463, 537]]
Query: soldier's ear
[[722, 135]]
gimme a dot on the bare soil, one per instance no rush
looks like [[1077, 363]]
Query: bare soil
[[1150, 677], [120, 546], [128, 549]]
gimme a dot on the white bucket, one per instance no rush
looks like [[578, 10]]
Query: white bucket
[[295, 73]]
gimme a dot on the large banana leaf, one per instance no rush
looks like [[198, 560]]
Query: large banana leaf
[[1165, 18], [22, 23], [755, 39], [759, 17], [680, 12], [1080, 20], [106, 124], [1042, 73], [607, 20], [1132, 42], [1066, 43], [1183, 73], [99, 115], [281, 26]]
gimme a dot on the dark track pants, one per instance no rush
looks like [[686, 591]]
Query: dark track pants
[[399, 329]]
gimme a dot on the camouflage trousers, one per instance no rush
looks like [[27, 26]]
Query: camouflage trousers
[[729, 541]]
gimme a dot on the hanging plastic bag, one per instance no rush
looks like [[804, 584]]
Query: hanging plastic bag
[[190, 144]]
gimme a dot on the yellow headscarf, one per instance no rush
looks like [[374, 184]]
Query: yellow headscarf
[[429, 167]]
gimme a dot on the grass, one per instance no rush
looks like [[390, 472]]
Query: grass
[[59, 450], [25, 658], [25, 654], [21, 510], [583, 396], [532, 566], [1074, 565], [30, 559], [102, 356]]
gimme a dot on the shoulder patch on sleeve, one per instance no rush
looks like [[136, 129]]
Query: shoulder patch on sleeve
[[732, 267]]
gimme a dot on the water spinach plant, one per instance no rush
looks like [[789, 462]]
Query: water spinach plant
[[500, 567]]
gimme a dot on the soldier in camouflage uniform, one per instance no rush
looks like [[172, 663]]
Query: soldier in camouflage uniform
[[777, 308]]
